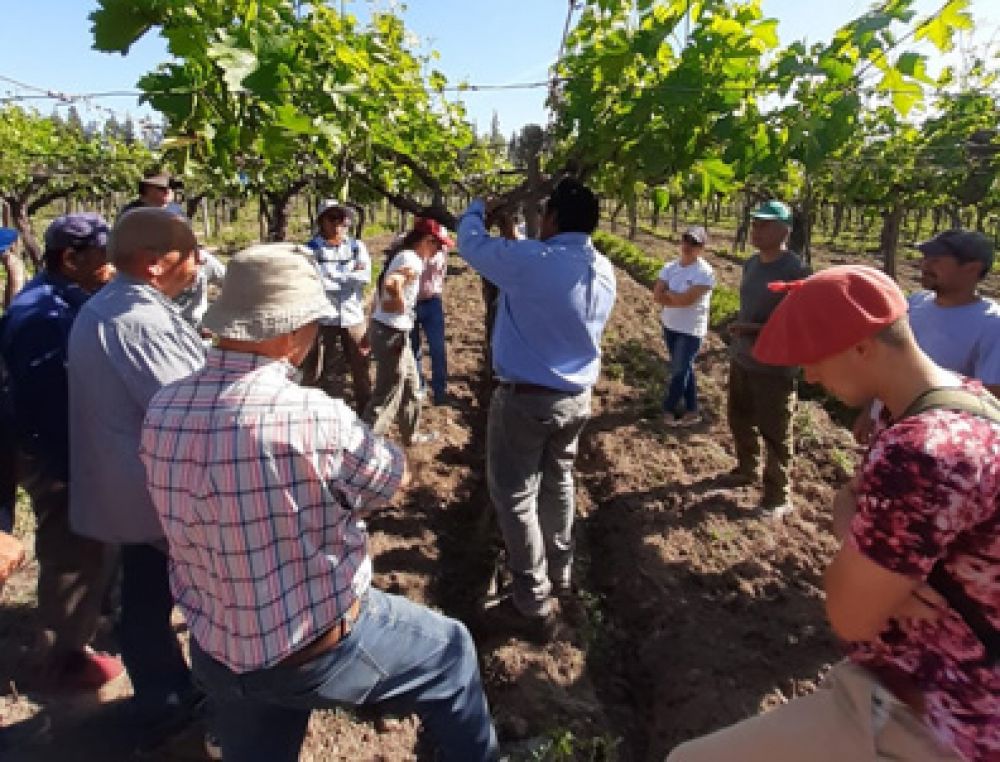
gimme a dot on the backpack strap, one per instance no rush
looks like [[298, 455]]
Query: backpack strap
[[985, 406], [970, 610], [955, 398]]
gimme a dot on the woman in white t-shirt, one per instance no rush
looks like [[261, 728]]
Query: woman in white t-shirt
[[396, 394], [684, 290]]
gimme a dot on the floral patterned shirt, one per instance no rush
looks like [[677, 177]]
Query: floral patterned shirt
[[928, 491]]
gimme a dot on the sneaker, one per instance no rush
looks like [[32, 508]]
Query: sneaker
[[503, 617], [671, 420], [213, 746], [423, 437], [689, 419], [775, 511], [88, 670], [563, 589]]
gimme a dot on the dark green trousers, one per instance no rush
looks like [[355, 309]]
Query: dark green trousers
[[760, 406]]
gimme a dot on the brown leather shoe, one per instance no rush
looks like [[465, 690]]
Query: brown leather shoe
[[502, 617]]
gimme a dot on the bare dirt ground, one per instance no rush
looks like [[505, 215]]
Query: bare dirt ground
[[693, 613]]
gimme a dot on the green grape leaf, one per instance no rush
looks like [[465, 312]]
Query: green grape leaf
[[236, 63], [117, 24]]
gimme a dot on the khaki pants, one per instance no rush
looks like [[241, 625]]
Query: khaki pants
[[762, 404], [850, 718], [397, 383], [73, 571]]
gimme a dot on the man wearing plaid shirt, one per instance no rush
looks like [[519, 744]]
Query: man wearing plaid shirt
[[262, 487]]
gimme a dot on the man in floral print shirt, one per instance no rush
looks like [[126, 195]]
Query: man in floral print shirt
[[919, 682]]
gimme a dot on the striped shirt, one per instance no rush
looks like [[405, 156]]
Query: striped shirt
[[259, 483]]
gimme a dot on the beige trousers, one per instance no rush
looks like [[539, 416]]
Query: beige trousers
[[850, 718]]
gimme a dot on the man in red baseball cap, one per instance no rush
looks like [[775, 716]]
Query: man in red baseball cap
[[912, 590]]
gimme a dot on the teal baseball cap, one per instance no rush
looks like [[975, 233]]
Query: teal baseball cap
[[773, 210]]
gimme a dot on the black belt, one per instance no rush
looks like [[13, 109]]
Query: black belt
[[519, 387]]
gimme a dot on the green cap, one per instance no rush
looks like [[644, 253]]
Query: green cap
[[773, 210]]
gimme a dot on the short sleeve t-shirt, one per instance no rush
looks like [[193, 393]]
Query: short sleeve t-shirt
[[928, 492], [965, 339], [401, 321], [757, 302], [693, 319]]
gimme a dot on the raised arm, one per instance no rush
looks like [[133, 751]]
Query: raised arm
[[496, 259]]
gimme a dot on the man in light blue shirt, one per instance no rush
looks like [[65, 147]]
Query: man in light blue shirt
[[956, 326], [556, 294]]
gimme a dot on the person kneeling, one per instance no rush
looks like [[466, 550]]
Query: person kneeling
[[262, 487]]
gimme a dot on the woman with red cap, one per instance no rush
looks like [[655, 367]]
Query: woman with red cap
[[396, 396]]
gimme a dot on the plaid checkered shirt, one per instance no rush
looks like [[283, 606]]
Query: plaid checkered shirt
[[259, 484]]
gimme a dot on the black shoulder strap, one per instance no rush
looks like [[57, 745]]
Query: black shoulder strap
[[970, 610], [985, 406]]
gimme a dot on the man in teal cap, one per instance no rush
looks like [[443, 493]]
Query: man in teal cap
[[761, 396]]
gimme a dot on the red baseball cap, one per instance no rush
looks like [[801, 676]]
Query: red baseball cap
[[434, 228], [828, 313]]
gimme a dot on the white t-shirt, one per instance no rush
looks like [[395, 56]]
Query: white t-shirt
[[693, 319], [403, 322]]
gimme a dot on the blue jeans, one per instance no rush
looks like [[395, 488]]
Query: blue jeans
[[430, 316], [398, 657], [682, 348], [150, 649]]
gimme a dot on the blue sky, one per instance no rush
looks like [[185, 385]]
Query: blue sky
[[481, 41]]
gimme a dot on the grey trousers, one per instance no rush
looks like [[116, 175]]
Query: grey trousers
[[531, 444], [397, 383]]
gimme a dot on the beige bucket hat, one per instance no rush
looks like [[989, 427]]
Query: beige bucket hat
[[270, 289]]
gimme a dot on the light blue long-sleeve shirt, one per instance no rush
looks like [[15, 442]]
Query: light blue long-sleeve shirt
[[345, 271], [128, 342], [555, 299]]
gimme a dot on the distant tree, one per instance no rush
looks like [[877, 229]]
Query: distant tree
[[496, 137], [44, 161], [73, 121], [112, 128], [128, 130]]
